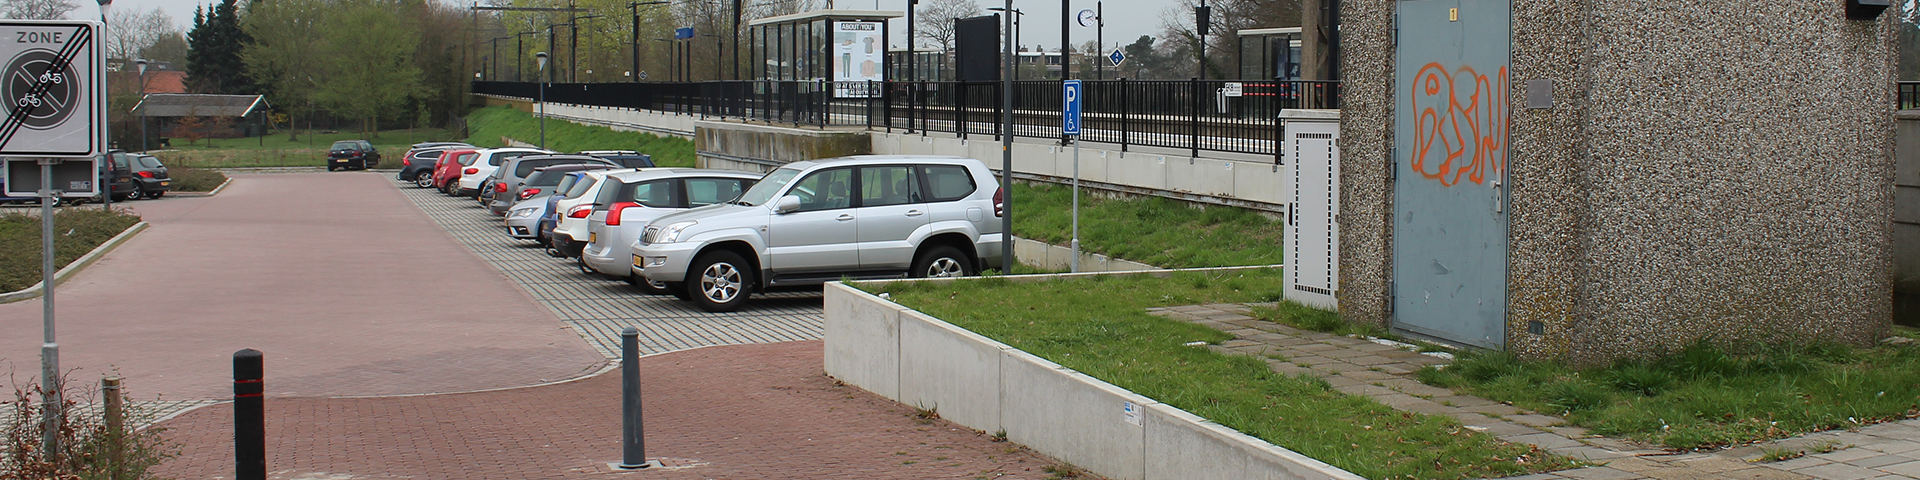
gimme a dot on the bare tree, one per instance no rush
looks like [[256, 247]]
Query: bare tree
[[38, 9], [130, 32], [935, 19], [1229, 17]]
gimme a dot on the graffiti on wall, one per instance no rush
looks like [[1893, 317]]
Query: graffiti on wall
[[1459, 124]]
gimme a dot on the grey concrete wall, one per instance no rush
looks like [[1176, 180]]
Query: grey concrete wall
[[1042, 255], [741, 146], [1906, 220], [1707, 170], [986, 385]]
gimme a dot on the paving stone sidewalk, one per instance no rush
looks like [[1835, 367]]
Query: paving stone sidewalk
[[1383, 371]]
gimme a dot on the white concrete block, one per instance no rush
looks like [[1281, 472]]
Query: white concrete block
[[1141, 170], [862, 344], [1030, 158], [1181, 445], [1263, 183], [950, 370], [1200, 175], [1094, 166], [1071, 416]]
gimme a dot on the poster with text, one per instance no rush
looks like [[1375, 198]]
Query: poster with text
[[858, 53]]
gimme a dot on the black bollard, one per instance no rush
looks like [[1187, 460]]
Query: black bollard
[[249, 417], [633, 444]]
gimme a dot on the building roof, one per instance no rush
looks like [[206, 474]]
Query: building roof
[[198, 105], [1255, 32], [833, 14], [170, 81]]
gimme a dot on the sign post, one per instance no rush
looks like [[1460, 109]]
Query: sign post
[[54, 89], [1071, 93]]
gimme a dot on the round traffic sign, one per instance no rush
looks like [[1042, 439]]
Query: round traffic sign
[[38, 91]]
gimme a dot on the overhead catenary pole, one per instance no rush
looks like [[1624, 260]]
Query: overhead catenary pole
[[1202, 19], [913, 97], [1066, 18], [1006, 145], [1099, 39], [736, 39]]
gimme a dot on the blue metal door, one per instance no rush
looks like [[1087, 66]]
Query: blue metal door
[[1450, 136]]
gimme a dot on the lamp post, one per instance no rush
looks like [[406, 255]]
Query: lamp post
[[142, 66], [635, 34], [1015, 32], [1202, 20], [541, 58], [1006, 142]]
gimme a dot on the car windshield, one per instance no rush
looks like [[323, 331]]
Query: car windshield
[[502, 157], [150, 162], [526, 167], [343, 145], [466, 160], [544, 179], [580, 187], [629, 161], [769, 185]]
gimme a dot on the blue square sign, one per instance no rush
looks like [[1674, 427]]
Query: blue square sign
[[1071, 93], [1117, 57]]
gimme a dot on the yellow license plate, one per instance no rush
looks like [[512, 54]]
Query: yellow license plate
[[639, 262], [164, 184]]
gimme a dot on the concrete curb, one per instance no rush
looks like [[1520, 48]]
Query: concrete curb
[[918, 360], [209, 193], [78, 264]]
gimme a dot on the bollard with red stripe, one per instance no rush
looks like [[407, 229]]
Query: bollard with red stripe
[[249, 417]]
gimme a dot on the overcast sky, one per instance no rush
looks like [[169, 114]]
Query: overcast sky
[[1126, 19]]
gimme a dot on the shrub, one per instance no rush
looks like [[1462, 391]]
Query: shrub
[[88, 448], [189, 179]]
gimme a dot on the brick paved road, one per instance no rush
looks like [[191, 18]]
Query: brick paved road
[[598, 309], [346, 286], [746, 411]]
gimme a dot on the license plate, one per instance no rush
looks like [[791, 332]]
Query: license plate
[[164, 183], [591, 237], [639, 262]]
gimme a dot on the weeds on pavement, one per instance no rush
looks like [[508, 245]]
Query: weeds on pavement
[[88, 449]]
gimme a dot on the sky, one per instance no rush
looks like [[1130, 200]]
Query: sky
[[1126, 19]]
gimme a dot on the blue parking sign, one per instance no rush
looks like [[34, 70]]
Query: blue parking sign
[[1071, 122]]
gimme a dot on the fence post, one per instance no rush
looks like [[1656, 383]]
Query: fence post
[[999, 104], [1125, 106], [1193, 101], [960, 110], [116, 425], [633, 440], [249, 417]]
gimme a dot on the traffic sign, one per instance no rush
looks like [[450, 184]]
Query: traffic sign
[[54, 89], [1116, 57], [1071, 111]]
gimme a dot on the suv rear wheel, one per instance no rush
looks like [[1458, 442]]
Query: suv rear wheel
[[942, 261], [718, 281]]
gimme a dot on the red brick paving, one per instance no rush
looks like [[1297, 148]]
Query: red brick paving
[[346, 286], [747, 411]]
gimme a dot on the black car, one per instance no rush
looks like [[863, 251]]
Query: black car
[[417, 164], [352, 154], [119, 175], [150, 176], [624, 158]]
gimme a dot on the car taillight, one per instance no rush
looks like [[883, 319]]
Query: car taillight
[[406, 162], [613, 212], [999, 202], [499, 188], [580, 211], [145, 174], [529, 193], [472, 171]]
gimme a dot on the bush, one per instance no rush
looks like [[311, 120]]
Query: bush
[[189, 179], [89, 449], [77, 231]]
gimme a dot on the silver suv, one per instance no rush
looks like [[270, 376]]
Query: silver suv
[[812, 222]]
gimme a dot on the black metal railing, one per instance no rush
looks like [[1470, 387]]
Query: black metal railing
[[1197, 115]]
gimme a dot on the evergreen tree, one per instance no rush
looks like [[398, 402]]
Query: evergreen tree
[[213, 51]]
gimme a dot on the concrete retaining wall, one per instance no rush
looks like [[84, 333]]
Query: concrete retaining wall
[[1047, 256], [983, 384]]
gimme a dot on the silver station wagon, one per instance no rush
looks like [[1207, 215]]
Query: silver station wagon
[[811, 222]]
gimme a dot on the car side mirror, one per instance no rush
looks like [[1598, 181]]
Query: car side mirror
[[787, 204]]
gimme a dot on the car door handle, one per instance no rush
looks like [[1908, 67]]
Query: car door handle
[[845, 217], [913, 213]]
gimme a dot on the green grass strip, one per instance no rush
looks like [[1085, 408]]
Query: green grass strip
[[1150, 230], [1099, 326], [488, 125], [1704, 395], [77, 231], [306, 149]]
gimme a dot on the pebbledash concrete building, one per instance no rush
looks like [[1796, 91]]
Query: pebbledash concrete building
[[1589, 180]]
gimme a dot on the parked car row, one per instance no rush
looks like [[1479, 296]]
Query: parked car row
[[715, 237]]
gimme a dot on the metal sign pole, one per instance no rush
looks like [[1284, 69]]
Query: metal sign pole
[[1071, 93], [50, 350], [1076, 204]]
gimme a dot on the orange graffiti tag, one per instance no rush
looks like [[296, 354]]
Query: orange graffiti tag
[[1472, 133]]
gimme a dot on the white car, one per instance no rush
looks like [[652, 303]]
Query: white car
[[471, 176], [570, 233], [629, 200]]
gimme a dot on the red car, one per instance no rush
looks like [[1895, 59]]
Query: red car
[[446, 170]]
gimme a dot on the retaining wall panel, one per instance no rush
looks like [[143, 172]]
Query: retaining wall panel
[[950, 370], [1070, 416], [862, 344]]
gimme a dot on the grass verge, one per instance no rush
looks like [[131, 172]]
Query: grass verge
[[489, 124], [1150, 230], [1704, 395], [307, 150], [1098, 325], [1309, 318], [189, 179], [77, 231]]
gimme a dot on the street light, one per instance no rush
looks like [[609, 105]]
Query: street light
[[541, 58], [634, 38], [141, 65], [1017, 14]]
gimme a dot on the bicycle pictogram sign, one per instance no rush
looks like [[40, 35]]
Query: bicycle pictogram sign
[[52, 91]]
